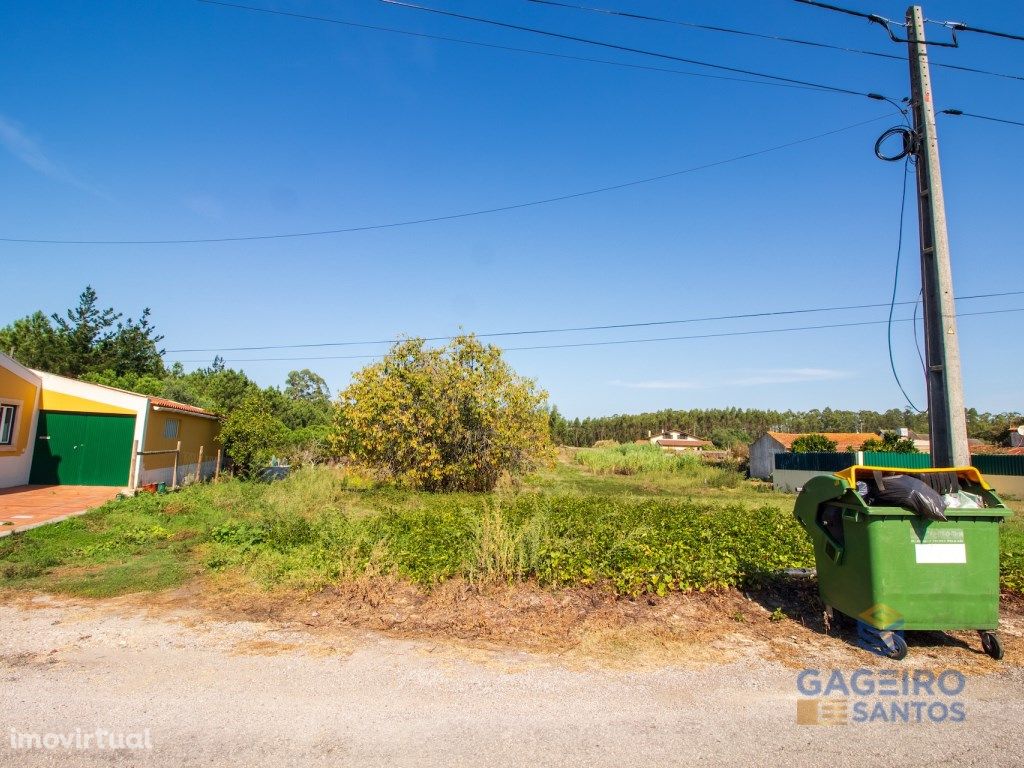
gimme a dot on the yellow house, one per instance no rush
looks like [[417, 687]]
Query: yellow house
[[19, 405], [68, 432]]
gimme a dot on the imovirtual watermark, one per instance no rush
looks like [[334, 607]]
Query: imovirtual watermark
[[98, 739], [835, 697]]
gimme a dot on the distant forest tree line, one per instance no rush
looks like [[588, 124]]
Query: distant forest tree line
[[727, 427], [100, 345]]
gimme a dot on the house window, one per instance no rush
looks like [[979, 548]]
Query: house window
[[7, 413], [171, 427]]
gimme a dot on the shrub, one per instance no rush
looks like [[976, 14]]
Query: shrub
[[814, 443], [447, 419], [252, 434]]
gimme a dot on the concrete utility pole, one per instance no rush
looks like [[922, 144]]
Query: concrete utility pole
[[946, 418]]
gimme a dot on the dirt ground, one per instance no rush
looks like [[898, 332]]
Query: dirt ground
[[385, 674], [784, 624]]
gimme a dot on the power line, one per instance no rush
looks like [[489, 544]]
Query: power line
[[961, 113], [872, 17], [959, 26], [895, 285], [626, 48], [608, 327], [616, 342], [714, 28], [446, 217], [762, 36], [514, 49]]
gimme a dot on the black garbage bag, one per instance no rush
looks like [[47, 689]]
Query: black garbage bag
[[909, 492]]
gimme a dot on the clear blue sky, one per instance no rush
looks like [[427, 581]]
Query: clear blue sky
[[177, 119]]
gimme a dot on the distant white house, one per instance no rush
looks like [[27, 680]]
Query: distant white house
[[678, 442]]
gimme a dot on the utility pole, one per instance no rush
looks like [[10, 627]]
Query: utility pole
[[946, 419]]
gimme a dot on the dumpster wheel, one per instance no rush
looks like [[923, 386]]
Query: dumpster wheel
[[896, 648], [991, 645]]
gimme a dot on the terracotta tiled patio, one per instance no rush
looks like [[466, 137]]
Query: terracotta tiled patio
[[30, 505]]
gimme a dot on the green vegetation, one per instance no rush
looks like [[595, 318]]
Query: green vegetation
[[633, 459], [641, 533], [890, 442], [563, 527], [98, 346], [727, 427], [453, 418], [814, 443]]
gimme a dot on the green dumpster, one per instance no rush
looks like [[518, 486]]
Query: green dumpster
[[891, 570]]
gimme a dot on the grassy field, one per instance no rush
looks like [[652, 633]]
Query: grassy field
[[651, 530]]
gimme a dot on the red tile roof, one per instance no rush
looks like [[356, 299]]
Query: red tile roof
[[843, 440], [172, 405]]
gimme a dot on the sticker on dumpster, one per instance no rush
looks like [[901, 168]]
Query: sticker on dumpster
[[934, 535], [941, 553]]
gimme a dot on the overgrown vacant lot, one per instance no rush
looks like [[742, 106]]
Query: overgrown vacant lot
[[651, 531]]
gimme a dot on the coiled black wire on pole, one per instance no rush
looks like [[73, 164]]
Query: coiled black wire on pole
[[908, 148]]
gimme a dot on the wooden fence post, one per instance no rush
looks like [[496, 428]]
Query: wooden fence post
[[216, 468], [132, 469], [174, 475], [199, 466]]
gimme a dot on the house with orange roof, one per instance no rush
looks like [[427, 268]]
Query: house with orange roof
[[60, 431], [763, 450]]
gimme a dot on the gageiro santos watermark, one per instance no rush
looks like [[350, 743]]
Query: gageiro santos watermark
[[838, 697]]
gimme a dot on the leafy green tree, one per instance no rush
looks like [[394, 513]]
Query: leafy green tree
[[814, 443], [252, 433], [86, 328], [307, 385], [133, 348], [34, 342], [446, 419], [216, 388], [151, 386], [86, 339], [890, 442]]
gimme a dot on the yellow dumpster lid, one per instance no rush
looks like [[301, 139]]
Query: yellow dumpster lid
[[852, 474]]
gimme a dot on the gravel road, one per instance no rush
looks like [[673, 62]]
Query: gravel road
[[253, 694]]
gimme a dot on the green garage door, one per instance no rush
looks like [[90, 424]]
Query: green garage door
[[82, 449]]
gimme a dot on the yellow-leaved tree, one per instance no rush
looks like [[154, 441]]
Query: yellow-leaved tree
[[452, 418]]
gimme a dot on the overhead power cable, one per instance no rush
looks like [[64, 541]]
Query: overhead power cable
[[618, 342], [959, 26], [961, 113], [762, 36], [495, 46], [714, 28], [895, 285], [607, 327], [872, 17], [445, 217], [626, 48]]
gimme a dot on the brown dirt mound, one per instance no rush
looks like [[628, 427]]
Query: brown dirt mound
[[781, 624]]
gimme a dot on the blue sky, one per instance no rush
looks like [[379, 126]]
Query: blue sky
[[178, 119]]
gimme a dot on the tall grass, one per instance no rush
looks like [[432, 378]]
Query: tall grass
[[322, 527], [633, 459]]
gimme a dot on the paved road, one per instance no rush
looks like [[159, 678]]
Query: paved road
[[248, 694]]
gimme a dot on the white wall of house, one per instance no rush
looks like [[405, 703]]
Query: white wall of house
[[762, 456]]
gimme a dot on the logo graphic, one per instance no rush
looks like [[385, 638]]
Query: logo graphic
[[822, 712], [836, 697]]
